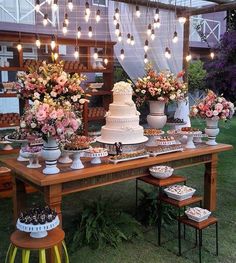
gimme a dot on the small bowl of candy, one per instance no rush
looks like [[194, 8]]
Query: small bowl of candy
[[179, 192], [197, 214], [161, 172]]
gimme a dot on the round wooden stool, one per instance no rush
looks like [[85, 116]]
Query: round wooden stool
[[23, 241]]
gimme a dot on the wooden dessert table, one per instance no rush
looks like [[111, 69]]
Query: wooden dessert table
[[53, 187]]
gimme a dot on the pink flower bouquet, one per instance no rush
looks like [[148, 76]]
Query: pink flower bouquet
[[163, 86], [213, 106]]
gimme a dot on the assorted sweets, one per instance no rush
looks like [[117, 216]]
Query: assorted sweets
[[179, 189], [161, 171], [17, 135], [38, 216], [175, 120], [165, 140], [129, 155], [152, 132], [77, 143], [165, 149], [197, 211], [31, 149], [96, 150], [190, 130]]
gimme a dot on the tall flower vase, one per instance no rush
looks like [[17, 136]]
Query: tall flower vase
[[211, 131], [156, 118], [51, 153]]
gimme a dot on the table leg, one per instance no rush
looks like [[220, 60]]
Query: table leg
[[53, 198], [19, 197], [210, 183]]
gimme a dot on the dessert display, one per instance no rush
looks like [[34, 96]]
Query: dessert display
[[175, 121], [128, 156], [32, 153], [179, 192], [161, 171], [122, 119], [197, 214], [158, 150], [166, 140], [37, 221], [190, 132], [153, 132], [96, 153]]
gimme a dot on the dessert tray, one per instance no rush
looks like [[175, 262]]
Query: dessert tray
[[76, 163], [152, 135], [128, 156], [190, 133], [158, 150], [166, 140], [197, 214], [179, 192], [96, 154], [161, 172], [38, 231]]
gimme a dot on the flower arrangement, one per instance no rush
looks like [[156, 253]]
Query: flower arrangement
[[51, 80], [163, 86], [213, 106]]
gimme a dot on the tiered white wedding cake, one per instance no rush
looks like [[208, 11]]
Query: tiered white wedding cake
[[122, 119]]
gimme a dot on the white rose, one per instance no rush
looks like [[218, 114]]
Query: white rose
[[33, 125], [172, 97], [195, 110], [40, 79], [37, 95], [82, 101], [215, 113], [143, 91], [53, 94], [22, 124], [74, 98], [220, 100], [36, 103]]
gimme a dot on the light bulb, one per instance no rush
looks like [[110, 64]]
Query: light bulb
[[128, 38], [167, 53], [149, 30], [53, 43], [54, 5], [64, 28], [212, 55], [87, 9], [188, 57], [117, 30], [90, 33], [37, 42], [175, 37], [98, 16], [114, 21], [145, 59], [79, 32], [70, 5], [146, 46], [45, 19], [132, 42], [86, 18], [157, 23], [37, 6], [138, 14], [19, 47], [55, 55], [120, 37], [105, 61], [117, 14], [95, 54], [66, 20], [122, 54], [156, 16], [76, 53], [153, 34], [182, 19]]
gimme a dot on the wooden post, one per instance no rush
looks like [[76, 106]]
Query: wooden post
[[186, 47]]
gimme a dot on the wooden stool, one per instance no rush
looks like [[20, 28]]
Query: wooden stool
[[199, 226], [23, 241]]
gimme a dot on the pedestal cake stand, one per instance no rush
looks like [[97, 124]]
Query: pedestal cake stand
[[23, 144]]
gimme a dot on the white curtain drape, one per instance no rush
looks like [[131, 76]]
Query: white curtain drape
[[133, 63]]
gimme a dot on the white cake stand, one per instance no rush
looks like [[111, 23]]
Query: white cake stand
[[96, 157], [174, 124], [23, 143], [7, 145], [38, 231], [190, 135], [33, 159], [77, 163], [152, 139], [65, 157]]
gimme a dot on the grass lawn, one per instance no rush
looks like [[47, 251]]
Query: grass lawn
[[145, 249]]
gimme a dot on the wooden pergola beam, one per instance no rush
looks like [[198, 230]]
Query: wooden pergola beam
[[207, 9]]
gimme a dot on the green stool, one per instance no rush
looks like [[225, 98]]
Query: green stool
[[23, 241]]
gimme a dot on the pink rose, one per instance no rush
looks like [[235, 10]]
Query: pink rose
[[200, 106], [65, 122], [52, 130], [45, 129], [60, 113], [209, 113], [219, 107], [41, 115], [74, 124], [53, 114], [44, 107]]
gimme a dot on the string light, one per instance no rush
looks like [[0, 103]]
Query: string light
[[86, 17], [37, 41], [70, 5], [37, 6], [156, 16], [114, 21], [188, 57], [79, 32], [105, 61], [98, 16], [64, 28], [120, 37], [19, 46], [66, 20], [45, 19], [76, 53], [122, 54], [55, 56], [146, 46], [132, 42], [175, 37], [128, 38], [95, 54], [53, 43], [149, 30], [145, 59], [153, 34], [90, 33], [55, 5], [138, 13], [212, 55], [117, 30], [182, 19], [167, 53], [117, 14], [87, 9]]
